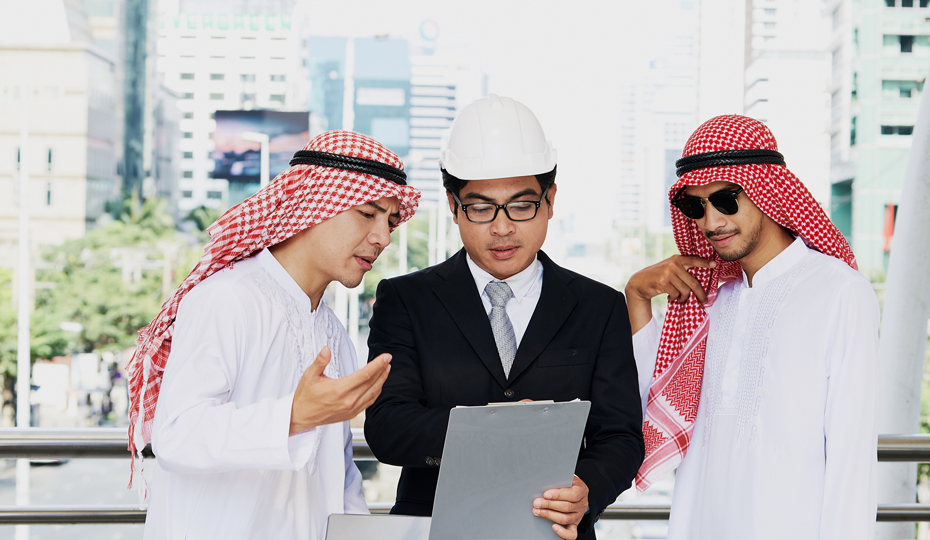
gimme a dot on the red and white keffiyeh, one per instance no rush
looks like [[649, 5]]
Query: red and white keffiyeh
[[298, 198], [676, 388]]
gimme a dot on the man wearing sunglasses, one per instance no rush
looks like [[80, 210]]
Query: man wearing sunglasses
[[762, 382], [500, 322]]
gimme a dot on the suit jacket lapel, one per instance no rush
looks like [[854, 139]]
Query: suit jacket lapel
[[458, 293], [556, 302]]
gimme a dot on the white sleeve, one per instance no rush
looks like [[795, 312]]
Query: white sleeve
[[645, 349], [197, 429], [851, 419]]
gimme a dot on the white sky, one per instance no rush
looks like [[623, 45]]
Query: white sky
[[564, 60]]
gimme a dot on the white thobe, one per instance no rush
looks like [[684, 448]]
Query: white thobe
[[784, 444], [226, 467]]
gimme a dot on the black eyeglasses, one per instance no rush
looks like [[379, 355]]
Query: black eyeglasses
[[724, 201], [484, 212]]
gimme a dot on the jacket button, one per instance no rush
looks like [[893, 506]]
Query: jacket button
[[429, 461], [509, 393]]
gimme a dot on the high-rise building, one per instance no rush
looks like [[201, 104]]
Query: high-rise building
[[374, 75], [880, 57], [225, 56], [787, 80], [49, 63]]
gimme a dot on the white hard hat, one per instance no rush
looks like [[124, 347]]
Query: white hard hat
[[496, 137]]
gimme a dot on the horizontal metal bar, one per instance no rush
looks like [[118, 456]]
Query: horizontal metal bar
[[46, 443], [51, 515]]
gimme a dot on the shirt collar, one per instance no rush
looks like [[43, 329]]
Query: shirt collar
[[782, 262], [269, 263], [520, 283]]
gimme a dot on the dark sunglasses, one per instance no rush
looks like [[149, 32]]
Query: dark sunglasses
[[724, 201]]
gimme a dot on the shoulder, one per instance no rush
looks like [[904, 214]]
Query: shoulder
[[837, 279], [229, 290], [586, 287]]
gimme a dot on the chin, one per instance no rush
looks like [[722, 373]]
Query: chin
[[351, 282]]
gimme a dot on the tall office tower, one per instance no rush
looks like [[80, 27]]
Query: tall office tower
[[880, 56], [49, 63], [659, 111], [224, 56], [363, 85], [787, 84]]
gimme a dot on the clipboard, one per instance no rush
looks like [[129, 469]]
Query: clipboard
[[367, 527], [496, 460]]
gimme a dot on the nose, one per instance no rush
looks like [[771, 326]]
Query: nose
[[712, 219], [502, 225], [380, 235]]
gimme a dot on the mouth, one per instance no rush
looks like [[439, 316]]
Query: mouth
[[722, 240], [503, 252], [365, 261]]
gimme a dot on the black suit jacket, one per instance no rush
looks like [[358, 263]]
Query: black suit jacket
[[577, 345]]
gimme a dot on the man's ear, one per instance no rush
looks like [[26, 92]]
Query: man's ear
[[453, 206], [550, 196]]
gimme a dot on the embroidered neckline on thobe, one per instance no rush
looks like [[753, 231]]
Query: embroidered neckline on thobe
[[771, 285]]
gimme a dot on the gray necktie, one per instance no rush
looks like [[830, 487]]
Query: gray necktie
[[499, 293]]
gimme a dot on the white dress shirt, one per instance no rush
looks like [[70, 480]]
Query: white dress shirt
[[226, 468], [526, 287], [784, 443]]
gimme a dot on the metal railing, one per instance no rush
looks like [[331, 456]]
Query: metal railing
[[37, 443]]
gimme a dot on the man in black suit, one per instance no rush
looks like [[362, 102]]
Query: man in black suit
[[499, 321]]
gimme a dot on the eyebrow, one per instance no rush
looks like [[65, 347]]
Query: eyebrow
[[721, 190], [479, 196], [382, 210]]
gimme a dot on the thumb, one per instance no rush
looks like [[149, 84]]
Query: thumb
[[322, 360]]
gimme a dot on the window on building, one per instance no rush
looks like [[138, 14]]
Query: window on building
[[187, 76], [217, 76], [187, 135], [246, 58], [248, 37], [217, 37], [17, 158], [768, 25], [216, 96], [49, 159], [276, 97], [187, 174], [247, 97], [924, 3], [907, 43], [769, 12], [188, 115], [209, 154], [889, 3], [187, 95], [247, 77], [187, 155], [852, 131], [48, 194], [218, 57], [897, 130], [215, 195], [277, 78], [187, 194], [213, 115], [907, 3]]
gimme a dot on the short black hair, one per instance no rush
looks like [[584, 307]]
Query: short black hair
[[454, 184]]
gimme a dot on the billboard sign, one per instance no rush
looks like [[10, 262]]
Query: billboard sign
[[238, 160]]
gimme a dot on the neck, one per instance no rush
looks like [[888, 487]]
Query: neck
[[771, 244], [297, 265]]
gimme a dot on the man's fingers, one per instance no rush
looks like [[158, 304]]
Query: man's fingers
[[568, 533], [694, 285], [322, 360], [369, 374], [555, 517], [678, 289], [565, 507], [570, 494], [689, 261], [373, 391]]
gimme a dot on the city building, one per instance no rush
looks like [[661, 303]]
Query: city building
[[240, 55], [49, 63], [880, 57], [787, 84]]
